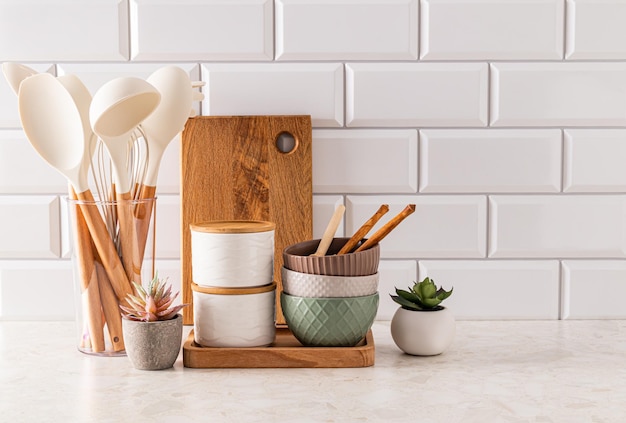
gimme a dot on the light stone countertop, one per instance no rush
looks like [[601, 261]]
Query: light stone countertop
[[511, 371]]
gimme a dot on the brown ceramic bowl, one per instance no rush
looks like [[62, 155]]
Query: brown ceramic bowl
[[297, 257]]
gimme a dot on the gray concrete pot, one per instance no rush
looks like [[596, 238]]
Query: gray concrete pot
[[153, 345]]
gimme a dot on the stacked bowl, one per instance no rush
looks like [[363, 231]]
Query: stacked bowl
[[330, 300]]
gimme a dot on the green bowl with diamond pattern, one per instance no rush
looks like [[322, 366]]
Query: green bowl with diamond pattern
[[329, 322]]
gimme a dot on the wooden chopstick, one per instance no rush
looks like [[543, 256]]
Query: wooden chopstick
[[388, 227], [363, 230]]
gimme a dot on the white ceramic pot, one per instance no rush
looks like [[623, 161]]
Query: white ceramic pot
[[423, 332], [234, 317], [232, 254]]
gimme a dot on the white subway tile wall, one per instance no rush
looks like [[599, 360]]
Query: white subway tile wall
[[416, 94], [595, 29], [594, 290], [201, 30], [343, 30], [503, 121], [594, 160], [491, 30]]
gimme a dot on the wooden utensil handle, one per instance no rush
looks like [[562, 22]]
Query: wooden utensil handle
[[104, 245], [363, 230], [127, 236], [143, 217], [111, 309], [329, 233], [90, 296], [388, 227]]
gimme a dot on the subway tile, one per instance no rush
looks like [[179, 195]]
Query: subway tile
[[594, 289], [168, 227], [36, 290], [392, 274], [594, 160], [23, 171], [494, 160], [416, 94], [342, 30], [558, 94], [596, 29], [487, 29], [168, 181], [323, 208], [29, 226], [95, 75], [9, 114], [314, 89], [442, 226], [557, 226], [498, 289], [64, 30], [170, 270], [365, 161], [201, 30]]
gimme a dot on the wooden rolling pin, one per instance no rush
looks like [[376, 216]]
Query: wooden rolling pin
[[363, 230], [329, 233], [388, 227]]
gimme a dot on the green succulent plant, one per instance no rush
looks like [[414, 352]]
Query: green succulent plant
[[422, 295]]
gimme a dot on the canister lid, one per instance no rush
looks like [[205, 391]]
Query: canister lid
[[233, 291], [233, 226]]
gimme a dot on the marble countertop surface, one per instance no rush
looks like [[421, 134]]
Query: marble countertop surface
[[508, 371]]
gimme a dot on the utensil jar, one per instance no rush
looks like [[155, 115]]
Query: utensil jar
[[97, 296]]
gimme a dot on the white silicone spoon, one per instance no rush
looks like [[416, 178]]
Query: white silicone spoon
[[84, 254], [52, 124], [15, 73], [160, 128], [82, 100], [170, 116]]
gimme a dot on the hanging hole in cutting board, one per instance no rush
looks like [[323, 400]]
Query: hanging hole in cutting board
[[286, 143]]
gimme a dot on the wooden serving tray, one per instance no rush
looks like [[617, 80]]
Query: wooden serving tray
[[286, 351]]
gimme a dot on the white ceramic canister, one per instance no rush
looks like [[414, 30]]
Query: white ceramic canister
[[232, 253], [234, 317]]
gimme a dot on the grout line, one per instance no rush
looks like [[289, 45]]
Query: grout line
[[488, 226], [566, 25], [563, 159], [489, 94]]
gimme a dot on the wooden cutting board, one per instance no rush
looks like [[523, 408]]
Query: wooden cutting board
[[232, 169]]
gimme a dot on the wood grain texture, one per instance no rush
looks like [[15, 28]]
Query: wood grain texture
[[83, 251], [231, 169], [104, 246], [285, 352]]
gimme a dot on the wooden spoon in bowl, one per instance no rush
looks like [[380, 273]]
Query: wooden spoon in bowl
[[329, 233], [388, 227], [363, 230]]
